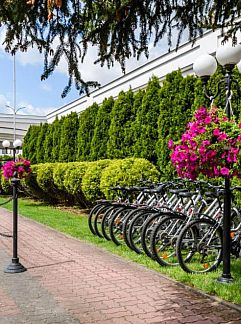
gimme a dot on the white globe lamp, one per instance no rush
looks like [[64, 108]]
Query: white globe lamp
[[6, 143], [228, 54], [205, 65], [17, 143]]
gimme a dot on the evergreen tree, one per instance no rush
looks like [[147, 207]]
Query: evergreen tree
[[40, 142], [146, 122], [176, 108], [121, 119], [131, 129], [30, 151], [69, 129], [98, 148], [56, 139], [48, 144], [85, 132]]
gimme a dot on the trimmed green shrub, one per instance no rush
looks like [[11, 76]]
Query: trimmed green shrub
[[31, 188], [6, 187], [45, 181], [73, 181], [91, 180], [127, 172]]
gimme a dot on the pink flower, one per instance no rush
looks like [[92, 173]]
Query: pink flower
[[224, 171], [216, 132]]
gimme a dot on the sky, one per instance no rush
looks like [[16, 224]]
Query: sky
[[41, 97]]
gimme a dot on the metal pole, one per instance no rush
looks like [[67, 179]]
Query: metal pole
[[226, 275], [15, 266], [14, 97]]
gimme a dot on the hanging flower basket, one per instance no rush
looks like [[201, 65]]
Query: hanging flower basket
[[210, 146], [22, 167]]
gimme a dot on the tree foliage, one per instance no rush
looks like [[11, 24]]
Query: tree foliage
[[121, 118], [118, 29], [98, 148], [146, 122], [68, 135], [85, 132]]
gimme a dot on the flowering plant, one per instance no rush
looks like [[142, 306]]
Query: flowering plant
[[22, 167], [211, 145]]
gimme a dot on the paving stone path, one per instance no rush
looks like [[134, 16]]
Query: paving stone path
[[69, 281]]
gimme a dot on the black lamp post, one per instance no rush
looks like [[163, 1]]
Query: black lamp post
[[15, 266], [228, 56]]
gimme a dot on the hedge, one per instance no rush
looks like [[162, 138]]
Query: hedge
[[85, 182]]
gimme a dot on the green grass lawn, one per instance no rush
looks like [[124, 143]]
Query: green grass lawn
[[75, 224]]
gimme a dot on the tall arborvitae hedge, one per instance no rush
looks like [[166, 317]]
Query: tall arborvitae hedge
[[131, 132], [146, 122], [85, 132], [98, 149], [40, 142], [68, 135], [137, 124], [176, 102], [56, 138], [48, 144], [121, 118], [30, 142]]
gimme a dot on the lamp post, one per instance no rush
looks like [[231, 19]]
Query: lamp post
[[14, 110], [15, 266], [205, 66]]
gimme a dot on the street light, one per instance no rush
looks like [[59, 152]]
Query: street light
[[14, 110], [16, 144], [15, 266], [228, 56]]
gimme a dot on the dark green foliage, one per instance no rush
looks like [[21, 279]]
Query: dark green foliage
[[86, 132], [30, 143], [40, 142], [132, 133], [48, 144], [56, 139], [122, 117], [146, 122], [176, 102], [100, 138], [68, 134]]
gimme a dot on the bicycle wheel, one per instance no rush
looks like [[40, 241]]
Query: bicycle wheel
[[146, 232], [116, 225], [92, 216], [134, 232], [98, 218], [105, 222], [199, 246], [164, 237]]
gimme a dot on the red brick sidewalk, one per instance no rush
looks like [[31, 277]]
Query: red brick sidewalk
[[69, 281]]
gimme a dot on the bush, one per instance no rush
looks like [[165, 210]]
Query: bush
[[30, 185], [91, 180], [45, 181], [73, 180], [6, 187], [127, 172]]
